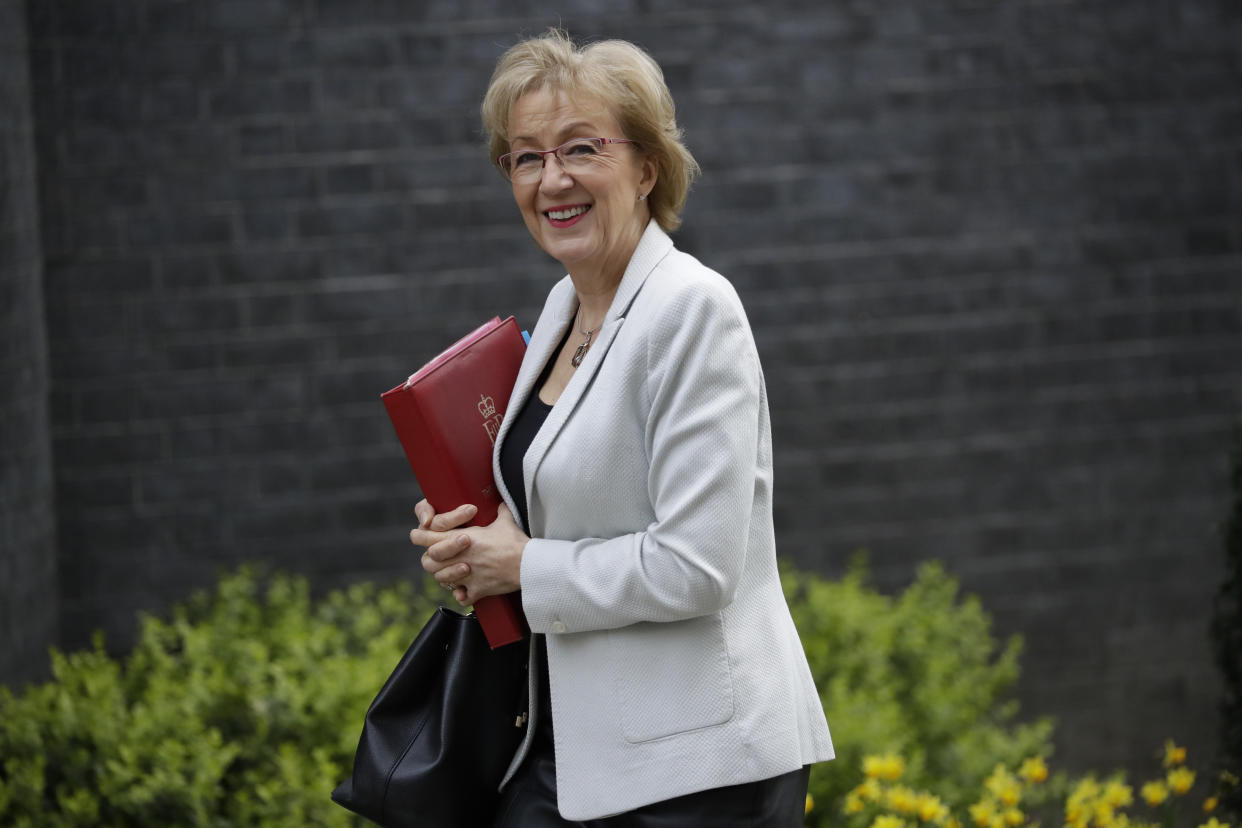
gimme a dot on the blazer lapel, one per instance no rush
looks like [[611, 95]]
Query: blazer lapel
[[652, 247]]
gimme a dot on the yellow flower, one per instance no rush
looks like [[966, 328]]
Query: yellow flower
[[1103, 812], [902, 800], [810, 804], [953, 823], [888, 821], [1004, 786], [1118, 794], [1180, 780], [853, 803], [1209, 804], [1013, 817], [1173, 755], [888, 767], [870, 790], [1085, 790], [983, 812], [1154, 793], [1033, 770], [930, 808], [1214, 823]]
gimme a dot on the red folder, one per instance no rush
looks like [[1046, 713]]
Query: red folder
[[447, 416]]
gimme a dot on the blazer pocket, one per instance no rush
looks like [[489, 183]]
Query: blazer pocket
[[671, 677]]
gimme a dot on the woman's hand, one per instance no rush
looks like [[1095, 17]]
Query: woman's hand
[[428, 519], [431, 530], [475, 561]]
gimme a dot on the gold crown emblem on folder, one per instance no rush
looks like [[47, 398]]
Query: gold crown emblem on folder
[[487, 407]]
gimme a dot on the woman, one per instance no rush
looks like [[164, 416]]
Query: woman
[[636, 456]]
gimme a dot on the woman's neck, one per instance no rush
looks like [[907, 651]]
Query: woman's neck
[[594, 299], [597, 285]]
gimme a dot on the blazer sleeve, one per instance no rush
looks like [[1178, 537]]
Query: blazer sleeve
[[703, 386]]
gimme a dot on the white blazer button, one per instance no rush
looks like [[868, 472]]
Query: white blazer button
[[558, 626]]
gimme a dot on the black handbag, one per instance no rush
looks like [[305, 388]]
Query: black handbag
[[440, 734]]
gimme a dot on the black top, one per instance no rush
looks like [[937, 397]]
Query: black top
[[520, 435], [526, 424], [518, 439]]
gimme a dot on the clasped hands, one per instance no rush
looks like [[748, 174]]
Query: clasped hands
[[472, 561]]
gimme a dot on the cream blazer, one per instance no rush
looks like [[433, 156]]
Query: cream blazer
[[651, 574]]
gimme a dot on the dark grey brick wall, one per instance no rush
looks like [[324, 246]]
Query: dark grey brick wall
[[991, 251], [28, 592]]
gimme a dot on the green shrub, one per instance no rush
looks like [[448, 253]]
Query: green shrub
[[918, 675], [245, 707]]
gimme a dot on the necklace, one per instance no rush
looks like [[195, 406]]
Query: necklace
[[586, 345]]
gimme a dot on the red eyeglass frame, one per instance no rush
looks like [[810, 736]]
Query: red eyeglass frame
[[543, 154]]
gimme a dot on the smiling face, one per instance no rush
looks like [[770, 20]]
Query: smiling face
[[589, 221]]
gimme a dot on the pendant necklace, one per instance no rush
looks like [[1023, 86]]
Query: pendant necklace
[[586, 345]]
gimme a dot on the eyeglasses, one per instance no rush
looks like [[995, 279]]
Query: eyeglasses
[[578, 155]]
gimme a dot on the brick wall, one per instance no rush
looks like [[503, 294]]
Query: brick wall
[[27, 517], [991, 252]]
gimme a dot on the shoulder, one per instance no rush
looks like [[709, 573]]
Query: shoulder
[[682, 287], [559, 303], [692, 313], [561, 294]]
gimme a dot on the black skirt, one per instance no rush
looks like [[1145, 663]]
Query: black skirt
[[529, 801]]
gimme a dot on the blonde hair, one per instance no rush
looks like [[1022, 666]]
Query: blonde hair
[[625, 78]]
